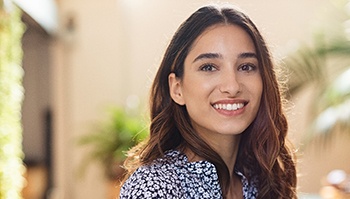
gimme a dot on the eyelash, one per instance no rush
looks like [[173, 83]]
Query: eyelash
[[208, 67], [252, 67], [243, 67]]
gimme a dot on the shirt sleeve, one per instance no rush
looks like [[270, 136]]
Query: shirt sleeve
[[149, 182]]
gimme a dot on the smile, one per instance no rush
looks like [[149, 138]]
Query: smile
[[229, 107]]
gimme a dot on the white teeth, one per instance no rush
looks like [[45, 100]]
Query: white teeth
[[229, 107]]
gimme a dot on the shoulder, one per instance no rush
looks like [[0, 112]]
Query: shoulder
[[158, 179]]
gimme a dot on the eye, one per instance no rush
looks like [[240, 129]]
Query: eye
[[208, 67], [247, 67]]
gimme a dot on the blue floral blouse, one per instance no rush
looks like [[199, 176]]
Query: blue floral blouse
[[173, 176]]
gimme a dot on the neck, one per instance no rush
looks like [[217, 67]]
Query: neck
[[225, 145]]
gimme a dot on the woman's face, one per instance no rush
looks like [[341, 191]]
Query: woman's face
[[222, 86]]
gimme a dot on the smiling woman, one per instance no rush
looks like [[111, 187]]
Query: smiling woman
[[227, 78], [217, 125]]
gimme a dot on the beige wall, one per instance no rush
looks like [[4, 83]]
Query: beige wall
[[113, 52]]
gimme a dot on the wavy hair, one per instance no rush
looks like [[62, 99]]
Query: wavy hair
[[263, 153]]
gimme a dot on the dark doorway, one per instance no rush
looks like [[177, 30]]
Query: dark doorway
[[36, 111]]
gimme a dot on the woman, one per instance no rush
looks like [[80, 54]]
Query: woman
[[217, 125]]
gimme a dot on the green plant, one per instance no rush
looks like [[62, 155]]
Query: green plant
[[11, 95], [324, 65], [112, 138]]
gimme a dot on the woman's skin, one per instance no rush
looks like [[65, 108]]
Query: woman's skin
[[221, 89]]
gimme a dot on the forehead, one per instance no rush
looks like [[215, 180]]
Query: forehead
[[224, 39]]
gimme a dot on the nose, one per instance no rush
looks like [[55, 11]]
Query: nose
[[229, 83]]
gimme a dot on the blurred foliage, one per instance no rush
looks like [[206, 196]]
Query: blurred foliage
[[323, 66], [11, 96], [112, 138]]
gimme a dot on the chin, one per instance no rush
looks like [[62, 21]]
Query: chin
[[231, 132]]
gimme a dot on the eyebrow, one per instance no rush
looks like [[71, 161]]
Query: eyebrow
[[217, 55], [247, 55], [208, 56]]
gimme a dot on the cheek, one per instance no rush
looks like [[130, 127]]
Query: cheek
[[255, 86], [258, 95], [256, 91], [196, 86], [259, 89]]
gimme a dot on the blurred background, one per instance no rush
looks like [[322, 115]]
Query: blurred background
[[88, 66]]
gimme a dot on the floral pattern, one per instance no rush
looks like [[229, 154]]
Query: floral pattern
[[173, 176]]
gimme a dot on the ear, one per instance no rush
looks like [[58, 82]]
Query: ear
[[175, 89]]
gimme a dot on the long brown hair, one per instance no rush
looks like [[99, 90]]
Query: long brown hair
[[262, 155]]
